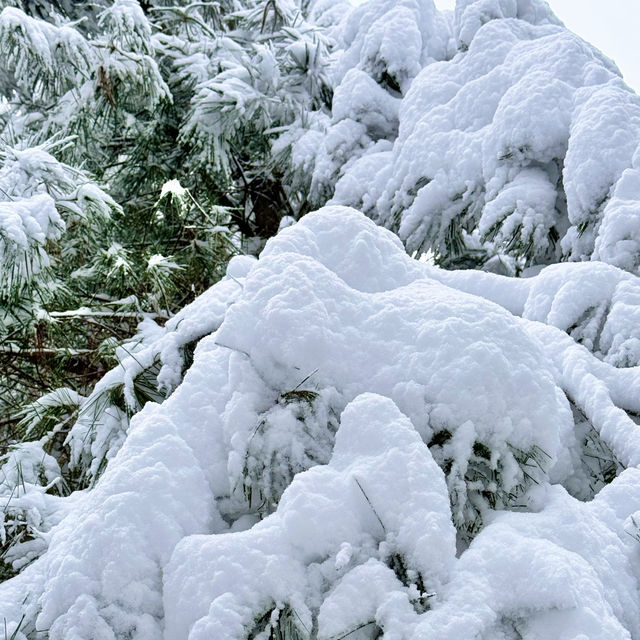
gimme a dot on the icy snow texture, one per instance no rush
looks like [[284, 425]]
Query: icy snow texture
[[168, 541], [498, 120]]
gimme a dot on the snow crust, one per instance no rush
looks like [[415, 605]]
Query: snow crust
[[363, 441]]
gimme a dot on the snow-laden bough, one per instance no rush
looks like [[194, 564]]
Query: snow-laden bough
[[362, 443]]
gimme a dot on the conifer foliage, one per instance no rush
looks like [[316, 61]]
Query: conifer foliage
[[344, 436], [136, 160]]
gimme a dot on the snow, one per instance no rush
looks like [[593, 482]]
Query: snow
[[578, 580], [127, 21], [374, 448], [371, 32], [100, 429], [337, 439], [38, 196], [337, 456], [617, 242], [508, 126], [25, 227], [60, 53], [69, 79], [360, 98], [471, 15], [594, 302], [29, 221]]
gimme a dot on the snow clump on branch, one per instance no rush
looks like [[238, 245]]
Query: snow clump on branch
[[438, 416]]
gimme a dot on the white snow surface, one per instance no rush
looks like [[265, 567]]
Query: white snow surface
[[363, 441], [498, 120]]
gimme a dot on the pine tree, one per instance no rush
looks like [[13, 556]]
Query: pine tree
[[336, 439], [136, 161], [150, 125], [470, 171]]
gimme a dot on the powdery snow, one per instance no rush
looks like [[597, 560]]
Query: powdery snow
[[505, 134], [293, 554], [340, 440], [362, 441]]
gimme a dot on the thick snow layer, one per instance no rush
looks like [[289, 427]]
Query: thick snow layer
[[617, 242], [508, 125], [596, 303], [567, 571], [372, 32], [363, 441], [378, 456]]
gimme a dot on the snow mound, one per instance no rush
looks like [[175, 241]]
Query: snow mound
[[351, 420], [294, 551]]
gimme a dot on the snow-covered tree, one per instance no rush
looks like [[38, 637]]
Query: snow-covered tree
[[141, 133], [362, 441], [338, 440], [490, 135]]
